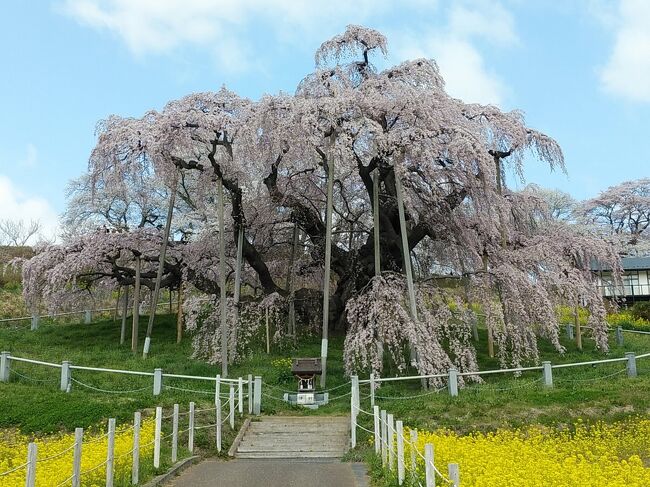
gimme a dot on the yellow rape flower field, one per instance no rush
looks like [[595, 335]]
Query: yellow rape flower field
[[54, 467], [597, 455]]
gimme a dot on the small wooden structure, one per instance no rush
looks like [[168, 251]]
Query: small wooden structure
[[306, 370]]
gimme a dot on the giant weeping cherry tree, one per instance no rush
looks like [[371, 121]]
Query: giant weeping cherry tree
[[372, 169]]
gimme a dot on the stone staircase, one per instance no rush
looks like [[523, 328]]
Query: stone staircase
[[296, 437]]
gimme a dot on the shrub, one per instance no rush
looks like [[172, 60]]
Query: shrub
[[641, 310]]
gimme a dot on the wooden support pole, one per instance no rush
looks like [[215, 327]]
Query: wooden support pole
[[179, 313], [268, 342], [136, 305], [249, 381], [240, 396], [125, 311], [454, 474], [161, 266], [291, 277], [576, 321], [414, 460], [222, 279], [375, 221], [237, 292], [328, 257], [117, 303], [231, 405]]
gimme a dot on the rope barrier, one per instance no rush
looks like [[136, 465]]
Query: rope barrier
[[31, 378], [188, 390], [389, 398], [501, 389], [592, 379], [65, 481], [14, 469], [106, 390], [93, 469], [339, 397], [56, 455]]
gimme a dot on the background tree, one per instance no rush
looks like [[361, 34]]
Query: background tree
[[18, 232], [622, 211]]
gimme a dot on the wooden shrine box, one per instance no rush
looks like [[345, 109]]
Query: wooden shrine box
[[306, 370]]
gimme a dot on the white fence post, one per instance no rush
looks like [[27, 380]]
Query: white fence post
[[631, 364], [429, 470], [453, 382], [240, 396], [76, 459], [190, 426], [32, 453], [231, 405], [110, 452], [414, 445], [135, 463], [5, 366], [391, 435], [88, 317], [257, 396], [454, 474], [372, 389], [400, 452], [175, 434], [34, 322], [547, 373], [250, 393], [384, 438], [619, 336], [157, 381], [217, 404], [375, 411], [66, 376], [156, 438], [354, 406]]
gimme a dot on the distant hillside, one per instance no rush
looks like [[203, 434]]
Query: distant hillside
[[8, 276]]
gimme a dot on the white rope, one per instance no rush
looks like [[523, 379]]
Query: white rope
[[204, 427], [189, 390], [14, 469], [93, 469], [31, 378], [592, 379], [56, 455], [396, 398], [95, 440], [339, 397], [364, 429], [445, 479], [65, 481], [205, 409], [364, 412], [106, 390], [519, 386]]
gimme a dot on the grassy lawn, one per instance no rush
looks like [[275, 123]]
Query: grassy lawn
[[36, 405]]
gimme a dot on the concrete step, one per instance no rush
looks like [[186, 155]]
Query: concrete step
[[296, 437], [280, 454]]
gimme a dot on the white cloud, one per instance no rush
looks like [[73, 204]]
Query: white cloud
[[16, 205], [223, 27], [454, 49], [627, 72]]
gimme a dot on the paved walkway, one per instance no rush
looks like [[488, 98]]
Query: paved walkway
[[273, 473]]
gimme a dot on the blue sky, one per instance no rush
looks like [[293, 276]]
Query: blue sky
[[579, 69]]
